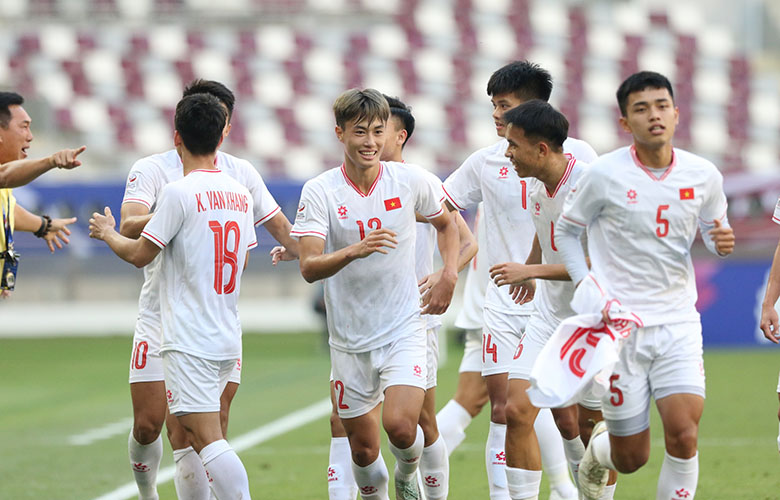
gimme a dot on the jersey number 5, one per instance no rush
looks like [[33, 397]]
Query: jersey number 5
[[225, 256], [663, 224]]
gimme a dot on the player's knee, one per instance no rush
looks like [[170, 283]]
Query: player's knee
[[146, 430], [630, 460], [401, 432], [519, 415], [567, 424], [363, 452], [498, 412], [683, 442]]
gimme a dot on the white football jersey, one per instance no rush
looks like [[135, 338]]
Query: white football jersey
[[205, 224], [641, 227], [146, 179], [552, 297], [488, 176], [776, 215], [375, 300], [477, 277]]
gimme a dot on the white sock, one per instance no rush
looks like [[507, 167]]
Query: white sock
[[495, 462], [609, 492], [678, 477], [452, 421], [435, 470], [408, 460], [602, 450], [372, 479], [554, 460], [145, 461], [523, 484], [341, 482], [190, 476], [575, 450], [227, 475], [778, 441]]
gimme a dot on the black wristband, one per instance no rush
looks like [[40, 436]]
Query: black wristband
[[45, 226]]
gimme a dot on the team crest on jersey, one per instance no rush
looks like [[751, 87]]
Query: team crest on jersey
[[300, 215], [537, 208], [132, 183], [503, 172], [342, 211], [631, 196]]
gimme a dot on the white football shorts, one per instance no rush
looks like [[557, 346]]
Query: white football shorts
[[360, 379], [499, 340], [145, 360], [472, 352], [193, 384], [655, 361], [432, 356]]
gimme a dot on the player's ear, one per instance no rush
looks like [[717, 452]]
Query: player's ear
[[221, 138], [623, 121], [339, 133], [402, 137], [177, 138]]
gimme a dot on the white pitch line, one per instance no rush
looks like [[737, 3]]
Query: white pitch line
[[271, 430], [101, 433]]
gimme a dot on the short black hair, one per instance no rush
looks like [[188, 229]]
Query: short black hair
[[200, 120], [404, 114], [524, 79], [639, 82], [8, 99], [539, 121], [218, 90]]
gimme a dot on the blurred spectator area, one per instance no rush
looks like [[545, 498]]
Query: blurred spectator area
[[108, 73]]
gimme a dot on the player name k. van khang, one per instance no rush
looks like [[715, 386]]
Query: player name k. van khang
[[222, 200]]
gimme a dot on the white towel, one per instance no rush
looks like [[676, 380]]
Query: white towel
[[579, 357]]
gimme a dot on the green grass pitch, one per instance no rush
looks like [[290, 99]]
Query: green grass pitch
[[52, 389]]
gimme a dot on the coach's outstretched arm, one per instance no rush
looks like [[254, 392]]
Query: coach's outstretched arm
[[138, 252], [20, 172], [317, 265]]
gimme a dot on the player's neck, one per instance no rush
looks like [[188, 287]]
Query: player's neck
[[655, 157], [552, 175], [362, 177], [200, 162]]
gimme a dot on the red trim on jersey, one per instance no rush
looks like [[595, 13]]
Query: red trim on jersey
[[251, 245], [154, 239], [573, 221], [307, 233], [137, 200], [724, 215], [647, 170], [564, 178], [263, 220], [354, 186], [775, 219], [450, 198], [441, 211]]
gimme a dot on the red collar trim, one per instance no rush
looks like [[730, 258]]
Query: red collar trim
[[564, 178], [354, 186], [205, 170], [647, 170]]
